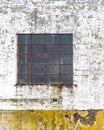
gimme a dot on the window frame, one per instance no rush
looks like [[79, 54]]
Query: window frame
[[46, 83]]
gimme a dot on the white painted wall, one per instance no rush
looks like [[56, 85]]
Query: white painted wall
[[83, 18]]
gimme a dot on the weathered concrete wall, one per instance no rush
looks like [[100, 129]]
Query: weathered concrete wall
[[83, 18], [52, 120]]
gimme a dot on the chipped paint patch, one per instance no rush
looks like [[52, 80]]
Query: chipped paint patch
[[51, 120]]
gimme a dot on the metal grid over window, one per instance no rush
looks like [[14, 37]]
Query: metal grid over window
[[45, 58]]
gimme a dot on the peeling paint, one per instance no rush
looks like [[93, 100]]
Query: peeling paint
[[51, 120], [84, 19], [86, 119]]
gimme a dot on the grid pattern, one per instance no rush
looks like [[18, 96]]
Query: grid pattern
[[45, 58]]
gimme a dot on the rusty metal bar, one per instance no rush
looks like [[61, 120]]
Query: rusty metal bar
[[43, 54], [31, 60], [17, 58], [42, 44], [41, 73], [45, 58], [42, 64], [59, 60]]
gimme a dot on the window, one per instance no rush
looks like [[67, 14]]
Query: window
[[45, 58]]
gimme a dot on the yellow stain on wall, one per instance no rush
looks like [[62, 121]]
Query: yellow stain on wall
[[52, 120]]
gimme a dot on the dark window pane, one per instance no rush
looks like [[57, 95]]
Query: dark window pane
[[37, 48], [25, 69], [66, 49], [66, 69], [24, 49], [38, 78], [52, 39], [53, 78], [37, 68], [38, 39], [66, 78], [23, 79], [38, 58], [24, 39], [54, 59], [53, 69], [52, 48], [45, 58], [23, 59], [66, 39], [66, 59]]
